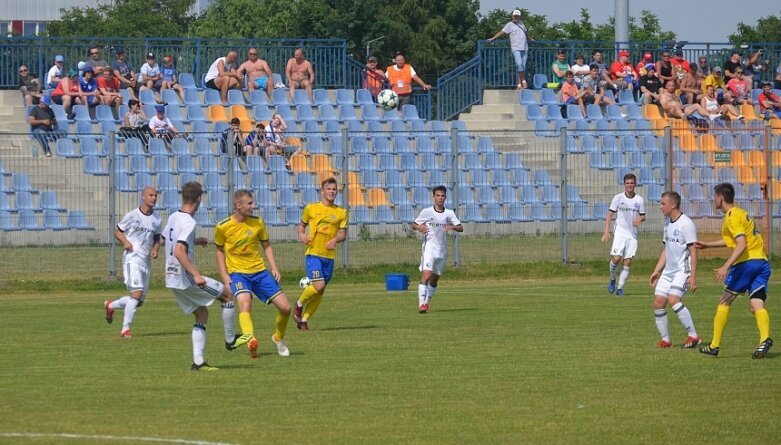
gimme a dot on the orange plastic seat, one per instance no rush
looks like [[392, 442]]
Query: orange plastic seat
[[708, 143], [651, 112], [775, 125], [355, 196], [748, 111], [217, 114], [776, 158], [687, 142], [738, 160], [746, 175], [377, 197], [756, 159], [658, 125], [246, 126], [240, 112], [298, 163], [321, 163]]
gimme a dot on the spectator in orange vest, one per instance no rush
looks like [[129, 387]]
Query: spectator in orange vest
[[374, 79], [401, 76]]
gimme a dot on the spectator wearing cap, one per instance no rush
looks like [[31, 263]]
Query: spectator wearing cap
[[374, 78], [640, 68], [29, 85], [43, 124], [96, 61], [559, 69], [108, 86], [68, 92], [769, 103], [162, 127], [664, 68], [740, 87], [519, 44], [401, 76], [650, 85], [580, 70], [223, 75], [714, 79], [55, 73], [680, 65], [89, 86], [170, 76], [255, 144], [125, 74], [151, 78], [622, 72]]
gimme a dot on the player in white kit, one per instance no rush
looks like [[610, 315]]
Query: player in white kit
[[193, 291], [434, 222], [139, 233], [676, 271], [629, 209]]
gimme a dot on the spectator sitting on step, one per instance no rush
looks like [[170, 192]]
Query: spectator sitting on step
[[255, 144], [260, 76], [68, 92], [689, 89], [170, 77], [135, 123], [580, 69], [740, 87], [55, 73], [769, 103], [559, 69], [622, 72], [162, 127], [223, 75], [29, 85], [670, 101], [89, 86], [125, 75], [593, 88], [108, 86], [43, 124], [570, 94], [151, 78], [650, 85], [96, 61], [664, 68], [711, 104]]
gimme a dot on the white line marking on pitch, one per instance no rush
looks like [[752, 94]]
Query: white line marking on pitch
[[113, 438]]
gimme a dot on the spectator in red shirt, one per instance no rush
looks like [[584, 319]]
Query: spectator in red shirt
[[622, 72], [740, 87], [680, 65], [640, 68], [769, 103], [108, 85]]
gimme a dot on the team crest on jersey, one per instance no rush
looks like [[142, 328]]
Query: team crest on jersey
[[637, 206], [248, 232]]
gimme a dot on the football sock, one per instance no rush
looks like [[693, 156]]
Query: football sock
[[281, 325], [430, 291], [763, 323], [662, 325], [120, 303], [245, 322], [613, 268], [622, 278], [686, 319], [130, 312], [719, 323], [311, 308], [422, 293], [229, 320], [199, 342], [307, 295]]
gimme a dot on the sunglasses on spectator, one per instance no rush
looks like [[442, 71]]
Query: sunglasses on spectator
[[253, 54], [22, 71], [94, 53]]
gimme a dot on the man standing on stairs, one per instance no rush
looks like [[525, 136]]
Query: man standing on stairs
[[519, 44], [629, 209]]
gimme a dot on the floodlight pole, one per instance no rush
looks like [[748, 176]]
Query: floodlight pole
[[369, 44]]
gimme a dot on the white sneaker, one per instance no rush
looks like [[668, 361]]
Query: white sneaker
[[741, 117], [282, 349], [713, 117]]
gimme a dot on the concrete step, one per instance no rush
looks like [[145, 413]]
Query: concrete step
[[500, 96]]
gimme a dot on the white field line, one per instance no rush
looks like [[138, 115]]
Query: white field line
[[112, 438]]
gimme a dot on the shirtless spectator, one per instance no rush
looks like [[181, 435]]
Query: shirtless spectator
[[769, 103], [223, 75], [124, 74], [689, 88], [672, 105], [740, 87], [571, 95], [680, 65], [711, 104], [580, 69], [622, 72], [97, 62], [29, 85], [151, 78], [299, 73], [109, 88], [56, 72], [664, 68], [170, 77], [68, 92], [593, 88], [650, 85], [259, 72]]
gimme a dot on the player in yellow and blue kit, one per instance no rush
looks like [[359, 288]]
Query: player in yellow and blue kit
[[242, 269], [327, 226], [747, 269]]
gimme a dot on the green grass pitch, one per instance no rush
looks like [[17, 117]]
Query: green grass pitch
[[496, 361]]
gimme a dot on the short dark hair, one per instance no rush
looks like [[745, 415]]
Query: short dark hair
[[132, 103], [596, 51], [235, 121], [439, 188], [629, 176], [593, 66], [578, 56], [191, 192], [674, 196], [726, 191]]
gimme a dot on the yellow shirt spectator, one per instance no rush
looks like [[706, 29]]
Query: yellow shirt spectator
[[738, 223], [715, 81], [324, 223], [240, 242]]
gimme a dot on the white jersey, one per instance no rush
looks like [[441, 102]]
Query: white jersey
[[678, 235], [54, 75], [435, 241], [626, 210], [141, 230], [214, 70], [180, 229]]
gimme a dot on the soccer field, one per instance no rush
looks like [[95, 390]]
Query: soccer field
[[494, 362]]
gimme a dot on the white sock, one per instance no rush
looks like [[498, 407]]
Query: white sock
[[229, 320], [120, 303], [422, 293], [613, 268], [430, 291], [662, 325], [622, 278], [686, 319], [199, 343], [130, 312]]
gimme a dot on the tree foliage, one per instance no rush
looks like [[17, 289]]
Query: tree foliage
[[767, 29], [126, 18]]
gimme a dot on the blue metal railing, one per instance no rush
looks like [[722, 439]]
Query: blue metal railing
[[460, 89]]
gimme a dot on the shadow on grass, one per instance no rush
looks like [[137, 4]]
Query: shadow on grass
[[348, 328]]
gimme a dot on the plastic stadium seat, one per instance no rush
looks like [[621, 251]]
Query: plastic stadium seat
[[236, 97], [399, 196], [347, 113], [369, 113], [301, 97], [217, 113], [279, 97], [211, 97], [517, 212], [321, 97], [259, 97], [539, 81], [473, 213], [78, 220], [527, 97], [548, 97], [28, 220], [65, 149], [377, 197], [344, 97]]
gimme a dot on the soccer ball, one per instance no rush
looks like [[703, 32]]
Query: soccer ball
[[387, 99], [304, 282]]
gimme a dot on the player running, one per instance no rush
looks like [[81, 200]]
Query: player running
[[434, 222], [746, 269], [327, 226], [139, 233], [676, 271], [193, 291], [243, 271], [629, 208]]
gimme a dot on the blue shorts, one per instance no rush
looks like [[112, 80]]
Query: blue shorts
[[261, 82], [262, 284], [520, 59], [751, 276], [319, 268], [570, 100]]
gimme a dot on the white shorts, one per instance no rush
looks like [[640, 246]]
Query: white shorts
[[624, 246], [672, 284], [194, 296], [435, 265], [136, 278]]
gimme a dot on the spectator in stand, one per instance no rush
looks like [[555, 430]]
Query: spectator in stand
[[29, 85], [232, 137], [622, 72], [519, 44], [603, 72], [711, 104], [559, 69], [401, 76], [672, 105], [223, 75], [374, 78], [641, 65], [650, 85], [777, 83], [96, 61], [68, 92], [689, 88], [135, 123], [124, 74], [258, 71], [702, 69], [731, 65], [570, 94], [55, 73], [593, 88], [753, 68], [299, 73], [664, 68], [108, 86], [151, 78], [740, 87], [275, 137], [170, 77], [162, 127], [580, 70], [255, 144], [715, 80], [680, 65], [89, 87], [769, 103], [42, 124]]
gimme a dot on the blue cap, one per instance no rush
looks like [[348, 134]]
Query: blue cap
[[59, 58], [160, 108], [46, 99], [119, 50], [87, 69]]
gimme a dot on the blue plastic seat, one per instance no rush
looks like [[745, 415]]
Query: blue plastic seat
[[527, 97], [398, 195], [293, 215], [65, 149], [473, 213], [78, 220], [347, 113], [539, 81], [258, 97], [321, 97], [7, 224], [344, 97], [21, 183], [28, 220]]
